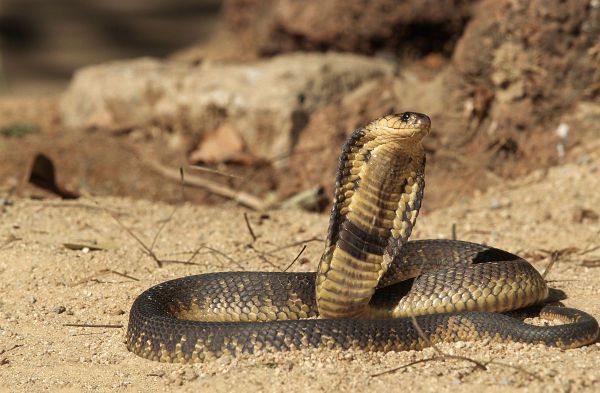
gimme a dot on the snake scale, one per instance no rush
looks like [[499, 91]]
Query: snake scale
[[369, 280]]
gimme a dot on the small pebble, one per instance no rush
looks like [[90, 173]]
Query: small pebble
[[494, 204], [499, 204], [6, 202], [59, 309], [581, 214], [115, 311], [563, 130]]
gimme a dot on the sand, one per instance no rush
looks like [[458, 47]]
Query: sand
[[46, 285]]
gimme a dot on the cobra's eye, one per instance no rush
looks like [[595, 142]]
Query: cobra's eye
[[405, 117]]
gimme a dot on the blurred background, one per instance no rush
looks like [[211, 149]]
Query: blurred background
[[266, 91], [44, 42]]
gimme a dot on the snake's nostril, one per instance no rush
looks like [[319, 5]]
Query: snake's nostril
[[422, 119]]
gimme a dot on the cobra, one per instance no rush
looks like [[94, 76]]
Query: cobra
[[370, 278]]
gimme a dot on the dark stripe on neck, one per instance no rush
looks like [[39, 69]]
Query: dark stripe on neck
[[354, 240]]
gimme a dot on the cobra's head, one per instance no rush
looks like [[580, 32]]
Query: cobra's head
[[407, 125]]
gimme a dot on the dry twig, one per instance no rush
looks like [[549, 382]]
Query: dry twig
[[249, 227], [202, 168], [553, 258], [3, 351], [295, 259], [103, 272], [90, 325], [240, 197]]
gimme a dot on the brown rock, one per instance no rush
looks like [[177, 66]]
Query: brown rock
[[224, 144], [538, 58], [350, 25], [267, 103], [581, 215]]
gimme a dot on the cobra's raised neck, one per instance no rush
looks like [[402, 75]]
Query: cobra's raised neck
[[378, 192]]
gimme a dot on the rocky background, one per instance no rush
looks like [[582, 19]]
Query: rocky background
[[272, 88]]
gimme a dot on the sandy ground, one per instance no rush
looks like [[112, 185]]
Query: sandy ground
[[45, 285]]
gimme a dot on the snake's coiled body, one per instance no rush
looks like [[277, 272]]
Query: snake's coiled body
[[370, 278]]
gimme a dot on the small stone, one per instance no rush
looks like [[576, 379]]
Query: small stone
[[499, 204], [563, 130], [581, 214], [59, 309], [115, 311], [6, 202]]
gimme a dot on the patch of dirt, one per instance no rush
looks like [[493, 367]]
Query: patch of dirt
[[106, 162], [46, 286], [114, 162]]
